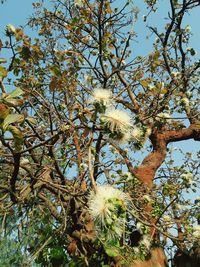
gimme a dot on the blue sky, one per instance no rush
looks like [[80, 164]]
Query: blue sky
[[15, 12]]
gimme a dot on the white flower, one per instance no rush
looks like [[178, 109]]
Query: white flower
[[101, 95], [10, 29], [137, 133], [188, 28], [145, 242], [180, 207], [148, 132], [83, 166], [107, 208], [117, 120], [147, 198], [140, 227], [79, 3], [189, 94], [188, 178], [196, 232], [176, 74], [167, 220], [140, 135], [123, 62], [163, 115], [123, 138], [136, 250], [126, 150], [128, 176], [185, 101]]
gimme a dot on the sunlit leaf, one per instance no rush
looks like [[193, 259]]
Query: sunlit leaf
[[3, 72], [111, 251], [18, 137], [12, 118], [3, 60], [13, 101], [32, 120], [55, 70], [17, 92]]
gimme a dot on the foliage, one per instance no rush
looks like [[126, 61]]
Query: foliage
[[86, 110]]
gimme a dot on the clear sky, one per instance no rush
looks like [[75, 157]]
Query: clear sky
[[15, 12]]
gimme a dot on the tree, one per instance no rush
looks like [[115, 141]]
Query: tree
[[83, 112]]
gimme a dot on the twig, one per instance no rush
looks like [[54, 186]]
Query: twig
[[91, 174]]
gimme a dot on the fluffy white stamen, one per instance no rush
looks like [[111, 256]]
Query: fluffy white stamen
[[117, 120], [106, 207], [101, 95]]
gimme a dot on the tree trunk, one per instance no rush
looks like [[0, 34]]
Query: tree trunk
[[157, 259]]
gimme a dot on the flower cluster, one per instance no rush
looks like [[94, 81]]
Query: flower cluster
[[145, 242], [107, 207], [163, 115], [188, 29], [167, 220], [10, 30], [196, 232], [101, 96], [117, 120], [143, 246], [137, 133], [185, 102], [139, 136], [187, 179], [118, 123], [79, 3]]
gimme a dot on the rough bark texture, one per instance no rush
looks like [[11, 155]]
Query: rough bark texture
[[146, 173], [157, 259]]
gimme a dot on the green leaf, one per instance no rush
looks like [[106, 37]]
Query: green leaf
[[18, 137], [3, 60], [111, 251], [13, 101], [145, 82], [17, 92], [32, 120], [12, 118], [197, 125], [25, 53], [3, 72], [55, 70]]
